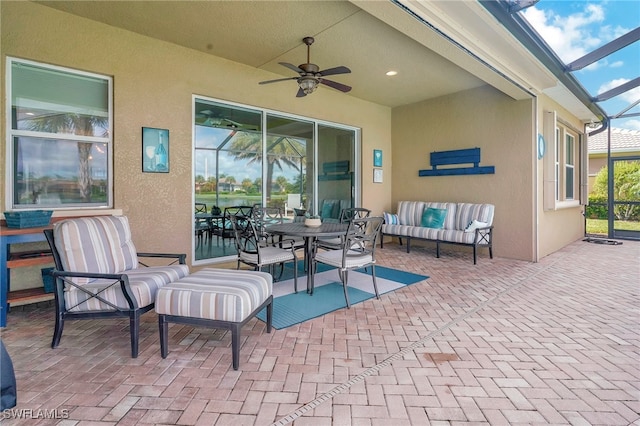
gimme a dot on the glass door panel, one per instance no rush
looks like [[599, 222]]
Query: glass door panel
[[336, 171], [626, 198], [290, 157], [227, 172]]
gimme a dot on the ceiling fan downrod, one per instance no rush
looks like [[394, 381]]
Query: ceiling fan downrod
[[308, 41]]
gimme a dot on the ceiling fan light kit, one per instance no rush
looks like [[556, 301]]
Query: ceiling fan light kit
[[308, 84], [310, 75]]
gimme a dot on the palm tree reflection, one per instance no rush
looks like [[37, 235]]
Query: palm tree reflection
[[73, 124]]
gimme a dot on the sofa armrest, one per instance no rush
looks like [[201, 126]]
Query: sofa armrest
[[483, 235]]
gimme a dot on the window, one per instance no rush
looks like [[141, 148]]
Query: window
[[569, 166], [563, 165], [557, 163], [58, 138]]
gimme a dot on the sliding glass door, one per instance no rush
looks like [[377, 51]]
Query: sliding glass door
[[246, 157]]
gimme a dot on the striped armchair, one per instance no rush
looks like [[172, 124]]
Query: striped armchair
[[98, 273]]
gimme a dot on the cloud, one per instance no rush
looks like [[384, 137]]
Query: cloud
[[569, 36], [632, 124], [573, 36]]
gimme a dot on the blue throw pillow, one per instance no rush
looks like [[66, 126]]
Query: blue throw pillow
[[433, 218], [327, 210], [390, 219]]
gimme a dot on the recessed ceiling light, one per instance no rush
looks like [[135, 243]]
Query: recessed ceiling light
[[390, 73]]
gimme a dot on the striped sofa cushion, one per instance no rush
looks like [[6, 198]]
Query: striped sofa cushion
[[423, 233], [401, 230], [410, 212], [100, 244], [143, 282], [216, 294], [468, 212], [456, 236]]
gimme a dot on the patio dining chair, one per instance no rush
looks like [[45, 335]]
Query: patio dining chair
[[202, 226], [264, 216], [346, 216], [99, 274], [358, 251], [294, 201], [255, 249], [225, 228]]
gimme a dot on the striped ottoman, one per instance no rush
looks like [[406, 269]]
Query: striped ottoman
[[217, 298]]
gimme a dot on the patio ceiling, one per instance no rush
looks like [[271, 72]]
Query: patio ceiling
[[437, 49]]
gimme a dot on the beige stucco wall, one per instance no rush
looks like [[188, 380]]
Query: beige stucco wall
[[596, 163], [484, 118], [153, 86], [557, 228]]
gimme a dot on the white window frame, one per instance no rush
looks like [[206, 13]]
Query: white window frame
[[11, 133], [569, 162], [557, 167]]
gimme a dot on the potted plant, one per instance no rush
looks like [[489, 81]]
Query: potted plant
[[313, 221]]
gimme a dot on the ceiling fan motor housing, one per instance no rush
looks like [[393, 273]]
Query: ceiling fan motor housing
[[309, 68]]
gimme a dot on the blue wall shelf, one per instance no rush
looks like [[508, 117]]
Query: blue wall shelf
[[459, 156]]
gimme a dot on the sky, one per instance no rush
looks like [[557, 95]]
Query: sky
[[574, 28]]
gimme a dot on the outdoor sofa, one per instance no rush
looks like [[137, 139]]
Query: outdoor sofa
[[464, 224]]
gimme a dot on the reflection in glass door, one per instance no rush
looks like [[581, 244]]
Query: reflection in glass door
[[336, 171], [227, 172], [290, 156]]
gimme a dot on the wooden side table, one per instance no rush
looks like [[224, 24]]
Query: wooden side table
[[8, 261]]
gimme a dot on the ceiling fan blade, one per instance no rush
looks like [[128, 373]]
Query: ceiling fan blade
[[339, 86], [334, 71], [232, 123], [291, 67], [300, 93], [278, 79]]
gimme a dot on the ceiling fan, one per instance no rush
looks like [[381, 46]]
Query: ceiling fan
[[310, 74]]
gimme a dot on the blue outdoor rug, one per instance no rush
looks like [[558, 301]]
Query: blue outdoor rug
[[291, 308]]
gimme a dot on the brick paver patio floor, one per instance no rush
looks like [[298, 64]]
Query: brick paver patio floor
[[502, 342]]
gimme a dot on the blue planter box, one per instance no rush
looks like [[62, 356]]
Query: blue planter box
[[28, 219]]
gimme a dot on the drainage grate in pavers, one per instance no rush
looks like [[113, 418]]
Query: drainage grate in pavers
[[602, 241]]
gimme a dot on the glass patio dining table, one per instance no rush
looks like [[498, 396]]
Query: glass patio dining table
[[310, 234]]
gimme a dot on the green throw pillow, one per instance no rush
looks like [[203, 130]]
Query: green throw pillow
[[433, 218]]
